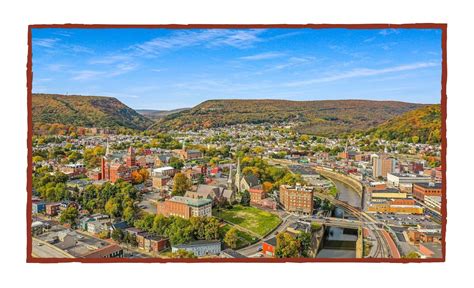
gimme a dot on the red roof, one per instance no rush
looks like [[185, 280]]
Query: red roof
[[103, 252]]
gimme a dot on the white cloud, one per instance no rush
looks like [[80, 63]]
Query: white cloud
[[207, 38], [56, 67], [45, 42], [114, 71], [262, 56], [386, 32], [361, 72], [86, 74], [110, 59]]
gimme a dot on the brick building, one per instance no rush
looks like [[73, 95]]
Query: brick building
[[185, 207], [420, 190], [297, 198], [402, 206], [257, 195]]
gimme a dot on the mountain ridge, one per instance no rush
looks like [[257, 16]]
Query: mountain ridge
[[86, 111], [325, 117]]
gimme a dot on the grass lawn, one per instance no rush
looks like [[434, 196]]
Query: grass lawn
[[258, 221], [245, 239]]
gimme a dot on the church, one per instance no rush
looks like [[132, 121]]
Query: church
[[113, 167], [249, 182]]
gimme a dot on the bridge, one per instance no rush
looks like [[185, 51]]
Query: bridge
[[335, 222]]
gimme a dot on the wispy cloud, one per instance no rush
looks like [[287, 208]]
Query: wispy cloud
[[45, 42], [262, 56], [115, 70], [207, 38], [361, 72], [111, 59], [55, 45], [292, 62], [368, 40], [86, 74], [56, 67], [386, 32]]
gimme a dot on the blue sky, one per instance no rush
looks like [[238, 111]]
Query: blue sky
[[167, 69]]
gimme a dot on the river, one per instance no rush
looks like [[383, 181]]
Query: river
[[334, 234]]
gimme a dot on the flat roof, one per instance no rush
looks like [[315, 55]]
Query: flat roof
[[429, 185], [197, 243], [191, 201], [388, 190]]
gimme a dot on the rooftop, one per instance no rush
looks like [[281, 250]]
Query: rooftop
[[197, 244], [192, 201], [429, 185]]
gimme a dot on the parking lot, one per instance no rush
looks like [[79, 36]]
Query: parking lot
[[404, 219]]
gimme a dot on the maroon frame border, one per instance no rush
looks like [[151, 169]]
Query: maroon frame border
[[29, 74]]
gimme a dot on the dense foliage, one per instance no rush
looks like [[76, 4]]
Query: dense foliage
[[418, 126], [86, 111], [315, 117], [180, 230]]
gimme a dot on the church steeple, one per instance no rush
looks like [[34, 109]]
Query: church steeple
[[237, 175], [230, 180], [107, 149]]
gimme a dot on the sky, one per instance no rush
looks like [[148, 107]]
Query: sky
[[167, 69]]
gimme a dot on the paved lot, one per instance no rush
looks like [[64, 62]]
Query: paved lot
[[41, 250], [148, 202], [403, 219]]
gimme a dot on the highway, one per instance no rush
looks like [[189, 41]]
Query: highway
[[42, 249]]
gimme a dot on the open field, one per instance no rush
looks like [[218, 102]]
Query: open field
[[257, 221], [245, 239]]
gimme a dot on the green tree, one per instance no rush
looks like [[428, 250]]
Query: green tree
[[176, 163], [305, 241], [231, 238], [112, 207], [129, 214], [69, 215], [182, 254], [287, 246], [245, 200], [118, 235], [181, 184]]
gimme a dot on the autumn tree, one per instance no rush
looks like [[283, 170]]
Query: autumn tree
[[112, 207], [287, 246], [182, 254], [181, 184], [231, 238], [69, 215], [139, 176]]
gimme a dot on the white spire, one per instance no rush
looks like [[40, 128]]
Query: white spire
[[107, 149], [229, 181], [184, 144]]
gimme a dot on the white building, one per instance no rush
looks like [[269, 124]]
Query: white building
[[200, 248], [405, 181]]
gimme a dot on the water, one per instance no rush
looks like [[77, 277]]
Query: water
[[349, 195]]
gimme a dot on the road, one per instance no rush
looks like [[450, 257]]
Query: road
[[254, 248], [382, 247], [42, 249]]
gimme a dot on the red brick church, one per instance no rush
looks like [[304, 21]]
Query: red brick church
[[113, 168]]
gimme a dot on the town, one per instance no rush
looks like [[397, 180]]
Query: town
[[236, 191]]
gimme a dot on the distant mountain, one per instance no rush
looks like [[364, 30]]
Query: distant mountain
[[157, 114], [327, 117], [421, 125], [86, 111]]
